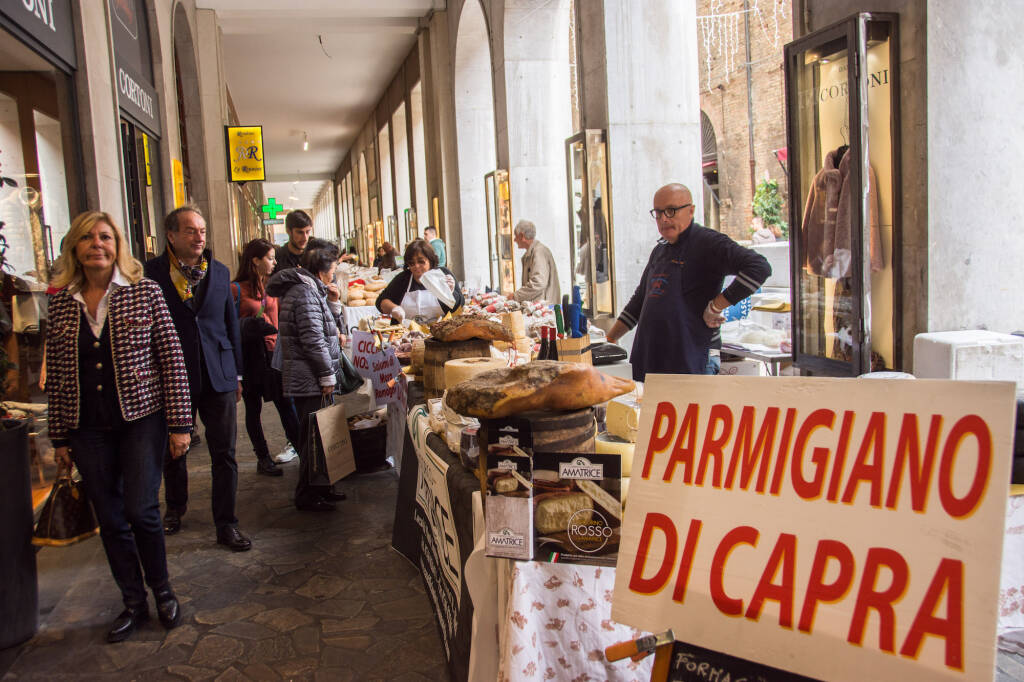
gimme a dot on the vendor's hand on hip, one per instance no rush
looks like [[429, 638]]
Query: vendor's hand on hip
[[711, 318]]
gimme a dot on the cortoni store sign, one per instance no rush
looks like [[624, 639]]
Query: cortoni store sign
[[46, 23], [135, 92]]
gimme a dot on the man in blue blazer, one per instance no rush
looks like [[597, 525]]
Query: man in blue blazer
[[198, 293]]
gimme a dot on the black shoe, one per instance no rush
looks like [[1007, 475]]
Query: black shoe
[[318, 505], [332, 496], [230, 536], [172, 522], [167, 607], [267, 467], [127, 622]]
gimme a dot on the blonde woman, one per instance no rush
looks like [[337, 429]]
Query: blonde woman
[[118, 393]]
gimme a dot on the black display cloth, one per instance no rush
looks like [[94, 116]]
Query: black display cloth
[[433, 528]]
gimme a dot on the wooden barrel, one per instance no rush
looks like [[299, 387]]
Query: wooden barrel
[[563, 431], [436, 353]]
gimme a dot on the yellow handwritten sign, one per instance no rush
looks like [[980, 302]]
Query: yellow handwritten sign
[[245, 153], [179, 182]]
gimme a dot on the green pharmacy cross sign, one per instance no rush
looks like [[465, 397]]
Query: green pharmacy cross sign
[[272, 208]]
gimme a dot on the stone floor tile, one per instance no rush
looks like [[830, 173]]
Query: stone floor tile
[[231, 675], [322, 587], [306, 640], [244, 630], [297, 667], [216, 651], [283, 619], [359, 623], [260, 672], [192, 673], [185, 635], [228, 614], [361, 642], [271, 650]]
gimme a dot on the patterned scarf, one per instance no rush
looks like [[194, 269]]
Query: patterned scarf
[[186, 277]]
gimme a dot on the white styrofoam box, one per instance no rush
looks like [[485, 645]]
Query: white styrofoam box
[[973, 354], [745, 367], [777, 254]]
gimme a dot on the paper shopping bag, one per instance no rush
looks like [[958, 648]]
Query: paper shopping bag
[[332, 457]]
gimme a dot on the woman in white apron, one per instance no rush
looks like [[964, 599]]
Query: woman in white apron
[[409, 294]]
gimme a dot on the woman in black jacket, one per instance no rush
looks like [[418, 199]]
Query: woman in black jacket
[[309, 318], [406, 296]]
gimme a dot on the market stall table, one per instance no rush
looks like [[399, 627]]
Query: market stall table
[[499, 619], [772, 358]]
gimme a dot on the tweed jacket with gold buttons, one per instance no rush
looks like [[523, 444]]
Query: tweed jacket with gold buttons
[[149, 369]]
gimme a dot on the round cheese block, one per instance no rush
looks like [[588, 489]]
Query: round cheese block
[[461, 369], [607, 444], [514, 322]]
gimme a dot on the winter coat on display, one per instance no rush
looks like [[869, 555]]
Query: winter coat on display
[[307, 333], [826, 230]]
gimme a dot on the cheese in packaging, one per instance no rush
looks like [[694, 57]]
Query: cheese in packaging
[[577, 507], [509, 505]]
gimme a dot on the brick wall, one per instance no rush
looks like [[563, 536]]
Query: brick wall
[[724, 101]]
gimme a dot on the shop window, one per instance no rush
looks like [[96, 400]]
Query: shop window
[[140, 173], [590, 234], [709, 170], [843, 148], [36, 129]]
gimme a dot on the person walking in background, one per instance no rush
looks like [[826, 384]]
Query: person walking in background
[[117, 384], [310, 350], [197, 290], [257, 313], [385, 259], [540, 275], [430, 235], [299, 227]]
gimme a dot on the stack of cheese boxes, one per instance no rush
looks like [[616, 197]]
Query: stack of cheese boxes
[[622, 422]]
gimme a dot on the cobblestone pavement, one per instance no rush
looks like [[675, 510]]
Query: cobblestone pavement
[[321, 596]]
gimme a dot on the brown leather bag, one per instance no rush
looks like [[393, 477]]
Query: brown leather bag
[[67, 516]]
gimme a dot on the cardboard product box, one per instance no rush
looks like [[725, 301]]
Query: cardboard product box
[[509, 505], [577, 507]]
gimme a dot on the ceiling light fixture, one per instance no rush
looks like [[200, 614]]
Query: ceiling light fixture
[[305, 142]]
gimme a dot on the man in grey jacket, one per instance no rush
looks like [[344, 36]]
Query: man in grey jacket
[[540, 276]]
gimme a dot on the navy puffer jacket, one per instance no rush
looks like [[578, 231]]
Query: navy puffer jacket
[[307, 332]]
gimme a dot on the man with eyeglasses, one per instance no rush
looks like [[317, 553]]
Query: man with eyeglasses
[[677, 307]]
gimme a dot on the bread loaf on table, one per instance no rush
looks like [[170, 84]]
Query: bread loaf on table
[[466, 327], [538, 385]]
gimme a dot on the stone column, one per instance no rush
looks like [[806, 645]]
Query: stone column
[[98, 115], [640, 82], [212, 93]]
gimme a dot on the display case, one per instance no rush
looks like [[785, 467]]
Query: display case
[[842, 90], [392, 232], [500, 247], [590, 226], [411, 229]]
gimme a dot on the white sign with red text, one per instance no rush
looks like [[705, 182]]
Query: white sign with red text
[[842, 529], [382, 367]]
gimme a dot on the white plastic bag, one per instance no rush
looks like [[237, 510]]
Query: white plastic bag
[[434, 282]]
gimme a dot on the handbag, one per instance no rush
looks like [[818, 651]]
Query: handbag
[[67, 516], [348, 378], [331, 457]]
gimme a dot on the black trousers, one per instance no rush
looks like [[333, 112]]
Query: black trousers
[[219, 416], [254, 423], [120, 470], [306, 406]]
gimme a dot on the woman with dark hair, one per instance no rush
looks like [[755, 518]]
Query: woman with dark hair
[[385, 259], [119, 397], [310, 352], [257, 315], [406, 296]]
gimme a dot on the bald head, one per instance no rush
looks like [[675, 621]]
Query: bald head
[[674, 199]]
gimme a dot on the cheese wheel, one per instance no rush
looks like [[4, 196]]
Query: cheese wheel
[[623, 417], [608, 444], [514, 322], [461, 369]]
